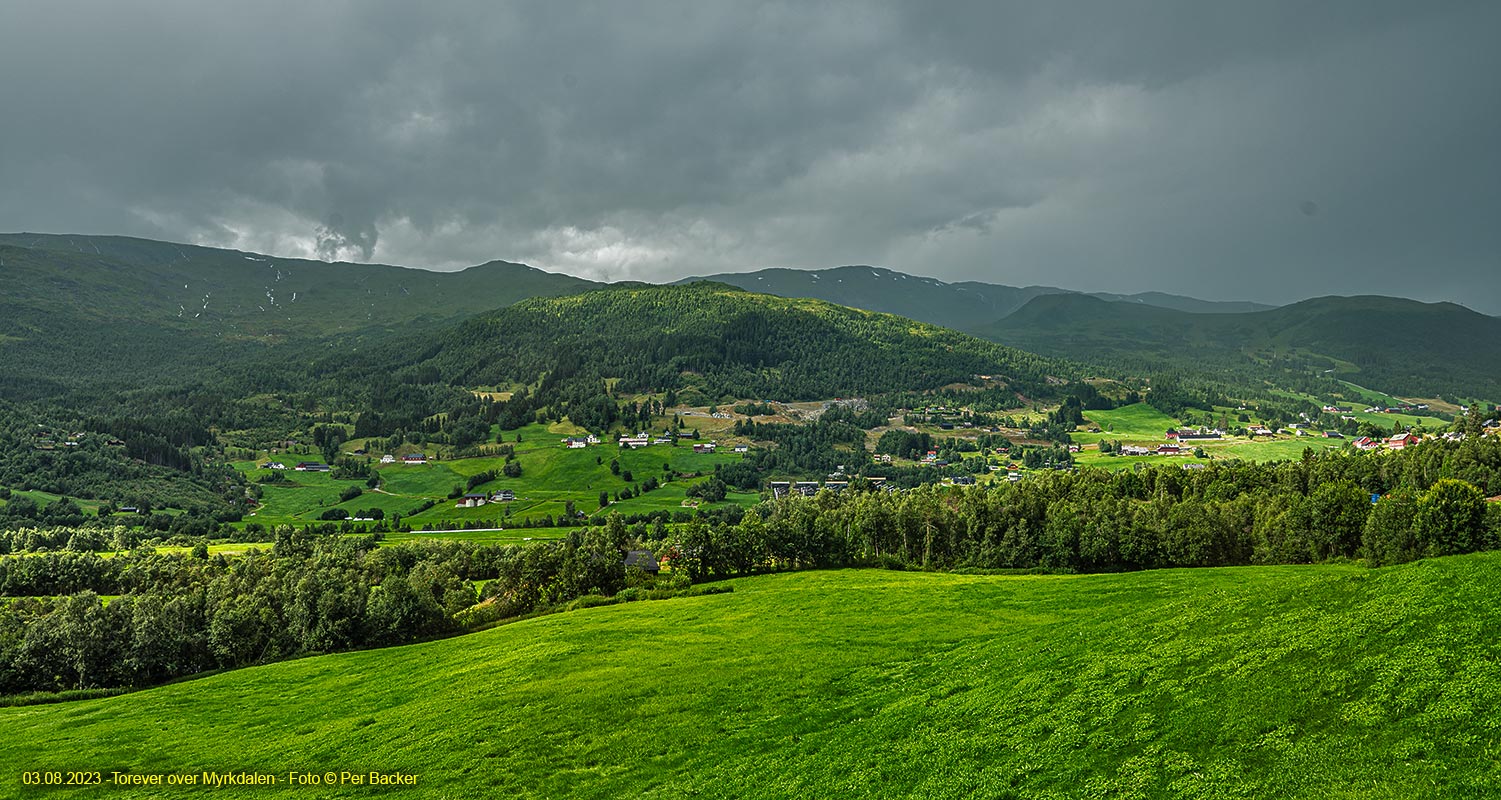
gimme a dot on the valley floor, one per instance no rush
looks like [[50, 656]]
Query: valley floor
[[1323, 681]]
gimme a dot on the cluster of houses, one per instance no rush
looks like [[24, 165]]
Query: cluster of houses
[[780, 489], [301, 466], [476, 500], [410, 459], [580, 442], [931, 459], [42, 440], [1169, 449], [1399, 442], [643, 440], [1399, 408], [1191, 435]]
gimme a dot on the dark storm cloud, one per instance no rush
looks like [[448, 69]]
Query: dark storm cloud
[[1173, 146]]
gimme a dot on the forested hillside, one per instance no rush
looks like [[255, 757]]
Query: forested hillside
[[719, 340], [962, 305]]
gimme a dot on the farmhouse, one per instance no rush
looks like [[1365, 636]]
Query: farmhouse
[[806, 488], [414, 458], [503, 496], [1133, 450], [644, 560], [1333, 435], [639, 440], [964, 480], [472, 500], [311, 466], [1364, 443], [1258, 430], [742, 448], [1168, 449], [1401, 441], [779, 489], [575, 443], [706, 447], [273, 465], [388, 459]]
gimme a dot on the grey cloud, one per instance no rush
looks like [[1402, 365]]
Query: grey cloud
[[1103, 146]]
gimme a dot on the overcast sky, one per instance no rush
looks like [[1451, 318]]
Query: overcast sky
[[1258, 150]]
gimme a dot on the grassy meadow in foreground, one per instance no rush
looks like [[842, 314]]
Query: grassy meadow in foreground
[[1324, 681]]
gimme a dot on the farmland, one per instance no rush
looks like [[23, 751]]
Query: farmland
[[1142, 425], [552, 476], [1267, 681]]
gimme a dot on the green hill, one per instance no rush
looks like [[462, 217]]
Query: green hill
[[720, 339], [1400, 346], [961, 305], [137, 311], [1278, 682]]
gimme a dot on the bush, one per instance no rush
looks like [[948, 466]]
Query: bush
[[707, 589], [591, 601]]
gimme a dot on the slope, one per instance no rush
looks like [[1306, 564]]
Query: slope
[[725, 341], [133, 311], [961, 305], [1250, 682], [1401, 346]]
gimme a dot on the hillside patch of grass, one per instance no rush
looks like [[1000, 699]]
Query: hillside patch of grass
[[552, 476], [1136, 422], [1324, 681]]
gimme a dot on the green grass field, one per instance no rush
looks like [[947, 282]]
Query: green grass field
[[1141, 424], [1278, 682], [1133, 423], [552, 476], [43, 499]]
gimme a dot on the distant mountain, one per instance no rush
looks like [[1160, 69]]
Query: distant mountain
[[121, 310], [234, 293], [1178, 302], [717, 338], [960, 305], [1400, 346]]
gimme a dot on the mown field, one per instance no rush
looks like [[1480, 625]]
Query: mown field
[[1280, 682], [552, 476]]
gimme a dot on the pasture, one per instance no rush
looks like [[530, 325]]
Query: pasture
[[1288, 682], [552, 476]]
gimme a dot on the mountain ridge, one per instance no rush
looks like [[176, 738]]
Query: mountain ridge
[[960, 304], [1405, 346]]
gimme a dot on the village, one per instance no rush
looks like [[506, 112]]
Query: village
[[559, 471]]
